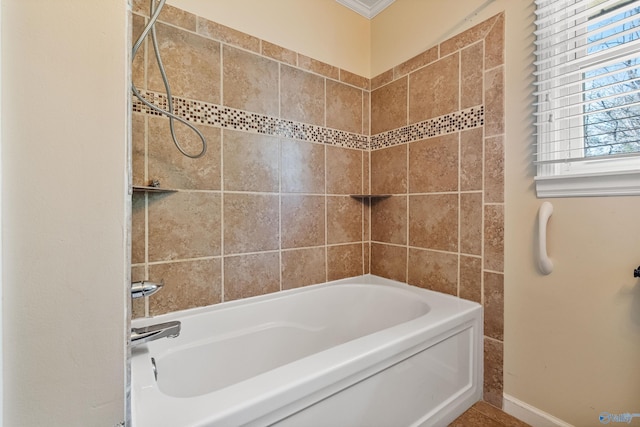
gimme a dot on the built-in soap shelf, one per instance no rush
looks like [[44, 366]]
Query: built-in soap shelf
[[149, 189], [153, 187], [370, 196]]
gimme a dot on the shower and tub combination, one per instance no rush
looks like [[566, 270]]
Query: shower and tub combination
[[363, 351]]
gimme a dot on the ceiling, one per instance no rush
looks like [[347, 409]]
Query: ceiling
[[366, 8]]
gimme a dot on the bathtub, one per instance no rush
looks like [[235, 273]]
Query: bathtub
[[363, 351]]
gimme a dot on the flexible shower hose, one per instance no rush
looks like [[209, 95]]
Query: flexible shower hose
[[150, 27]]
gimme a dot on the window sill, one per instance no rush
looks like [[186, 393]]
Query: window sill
[[589, 185]]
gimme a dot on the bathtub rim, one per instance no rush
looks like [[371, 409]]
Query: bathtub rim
[[365, 279]]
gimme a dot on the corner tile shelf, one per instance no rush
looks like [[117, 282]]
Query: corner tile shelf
[[149, 189]]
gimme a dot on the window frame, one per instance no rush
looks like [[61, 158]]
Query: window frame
[[597, 176]]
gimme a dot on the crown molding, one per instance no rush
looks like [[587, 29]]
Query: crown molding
[[366, 8]]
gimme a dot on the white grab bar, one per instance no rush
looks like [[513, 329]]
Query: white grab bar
[[545, 263]]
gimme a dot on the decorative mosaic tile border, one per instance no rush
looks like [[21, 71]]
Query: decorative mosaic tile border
[[449, 123], [231, 118]]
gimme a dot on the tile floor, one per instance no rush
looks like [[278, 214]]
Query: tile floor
[[483, 414]]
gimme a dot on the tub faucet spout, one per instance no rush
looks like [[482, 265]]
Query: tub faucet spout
[[154, 332]]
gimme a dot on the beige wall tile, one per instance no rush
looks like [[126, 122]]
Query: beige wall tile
[[344, 170], [468, 37], [389, 220], [471, 223], [389, 170], [279, 53], [140, 6], [366, 219], [138, 132], [366, 113], [344, 261], [434, 89], [138, 304], [169, 166], [471, 74], [355, 80], [366, 253], [183, 225], [437, 271], [302, 267], [302, 96], [250, 82], [433, 221], [494, 44], [493, 372], [418, 61], [137, 65], [318, 67], [494, 102], [302, 166], [344, 220], [494, 169], [186, 285], [303, 221], [344, 107], [251, 162], [138, 227], [382, 79], [250, 275], [389, 106], [471, 159], [227, 35], [366, 172], [433, 164], [178, 17], [389, 261], [251, 223], [192, 65], [494, 237], [494, 305], [470, 278]]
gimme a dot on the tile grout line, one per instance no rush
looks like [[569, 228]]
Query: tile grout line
[[145, 77], [407, 242], [280, 178], [147, 301], [222, 196]]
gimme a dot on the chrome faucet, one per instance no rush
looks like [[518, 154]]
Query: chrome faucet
[[154, 332]]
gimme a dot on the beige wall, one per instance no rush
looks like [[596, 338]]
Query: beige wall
[[572, 339], [64, 157]]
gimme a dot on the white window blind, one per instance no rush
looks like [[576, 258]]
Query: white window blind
[[587, 97]]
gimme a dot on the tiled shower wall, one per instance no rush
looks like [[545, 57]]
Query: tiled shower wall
[[442, 228], [268, 207], [260, 211]]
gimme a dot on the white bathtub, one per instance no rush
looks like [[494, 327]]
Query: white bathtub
[[364, 351]]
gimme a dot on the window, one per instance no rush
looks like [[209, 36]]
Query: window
[[587, 97]]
